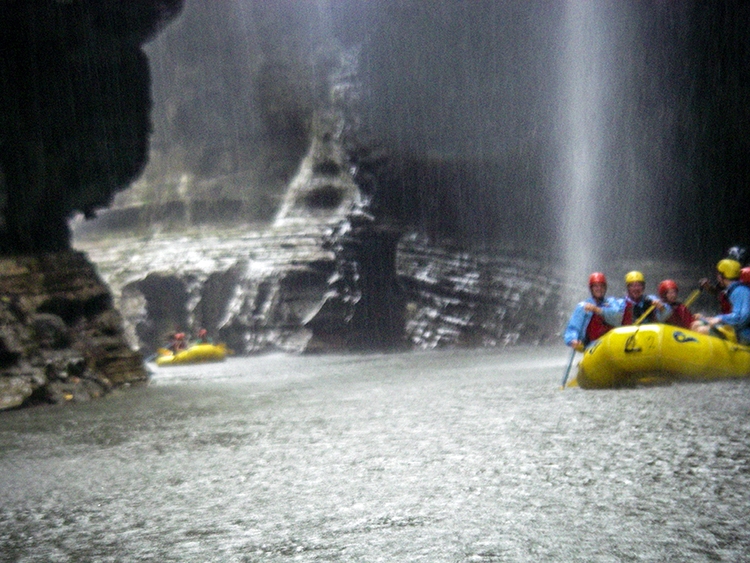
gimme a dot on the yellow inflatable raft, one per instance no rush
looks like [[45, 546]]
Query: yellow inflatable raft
[[658, 353], [195, 354]]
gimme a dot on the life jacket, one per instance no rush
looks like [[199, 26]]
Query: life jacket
[[633, 311], [596, 328], [681, 316], [724, 304]]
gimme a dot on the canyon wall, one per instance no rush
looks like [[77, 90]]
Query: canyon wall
[[74, 130], [60, 337]]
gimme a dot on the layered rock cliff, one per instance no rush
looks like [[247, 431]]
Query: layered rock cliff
[[336, 270], [60, 337], [74, 126], [321, 278], [326, 289], [328, 275]]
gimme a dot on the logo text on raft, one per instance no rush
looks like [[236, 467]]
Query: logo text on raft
[[681, 337]]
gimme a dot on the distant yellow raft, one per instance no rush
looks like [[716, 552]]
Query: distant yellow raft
[[195, 354], [658, 353]]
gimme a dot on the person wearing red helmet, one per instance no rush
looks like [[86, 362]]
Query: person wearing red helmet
[[586, 324], [178, 342], [681, 315], [202, 337]]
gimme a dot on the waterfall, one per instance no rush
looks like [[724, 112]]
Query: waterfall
[[583, 81]]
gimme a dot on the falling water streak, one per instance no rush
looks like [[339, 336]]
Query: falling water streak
[[581, 108]]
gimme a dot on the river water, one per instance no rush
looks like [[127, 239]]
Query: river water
[[436, 457]]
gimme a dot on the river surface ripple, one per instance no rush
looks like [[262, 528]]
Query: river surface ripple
[[433, 457]]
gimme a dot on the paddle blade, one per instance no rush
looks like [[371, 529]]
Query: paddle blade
[[692, 297]]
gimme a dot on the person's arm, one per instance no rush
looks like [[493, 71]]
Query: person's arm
[[707, 285], [575, 328], [740, 315], [663, 310], [612, 312]]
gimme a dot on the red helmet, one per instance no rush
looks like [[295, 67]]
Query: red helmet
[[202, 332], [745, 275], [665, 286], [597, 277], [179, 335]]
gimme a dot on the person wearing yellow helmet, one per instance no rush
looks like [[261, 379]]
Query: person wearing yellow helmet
[[737, 319], [585, 324], [731, 261], [635, 276], [627, 310]]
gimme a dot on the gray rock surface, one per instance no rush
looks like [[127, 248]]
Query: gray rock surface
[[331, 273], [60, 338]]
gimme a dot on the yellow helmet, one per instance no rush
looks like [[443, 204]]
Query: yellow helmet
[[634, 276], [730, 269]]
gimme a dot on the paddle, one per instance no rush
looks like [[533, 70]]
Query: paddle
[[567, 370], [689, 301], [692, 297], [630, 342], [573, 352], [645, 314]]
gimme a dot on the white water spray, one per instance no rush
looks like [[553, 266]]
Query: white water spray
[[584, 69]]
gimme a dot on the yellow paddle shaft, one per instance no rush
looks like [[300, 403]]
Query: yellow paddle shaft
[[689, 301]]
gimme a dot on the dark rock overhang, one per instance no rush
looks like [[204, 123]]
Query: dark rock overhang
[[75, 93]]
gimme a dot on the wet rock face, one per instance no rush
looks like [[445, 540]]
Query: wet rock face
[[60, 338], [355, 286], [328, 276], [322, 278], [459, 298], [74, 88], [301, 288], [323, 191]]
